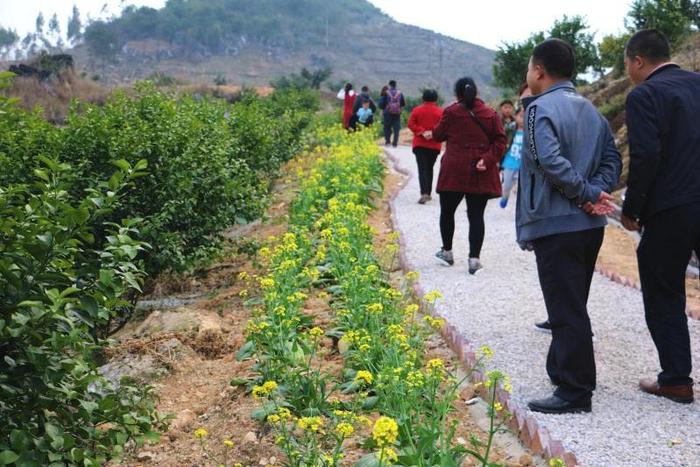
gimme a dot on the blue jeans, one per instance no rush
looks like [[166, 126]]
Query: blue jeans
[[510, 176]]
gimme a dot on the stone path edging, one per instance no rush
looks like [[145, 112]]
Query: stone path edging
[[522, 423]]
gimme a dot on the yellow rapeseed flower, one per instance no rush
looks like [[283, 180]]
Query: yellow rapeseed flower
[[344, 429], [313, 424], [365, 376], [228, 443], [385, 431], [390, 455], [200, 433], [431, 297], [486, 351]]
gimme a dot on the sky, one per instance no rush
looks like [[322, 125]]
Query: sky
[[488, 24]]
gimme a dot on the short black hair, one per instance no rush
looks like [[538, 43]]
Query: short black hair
[[650, 44], [392, 83], [430, 95], [365, 88], [556, 57], [505, 102]]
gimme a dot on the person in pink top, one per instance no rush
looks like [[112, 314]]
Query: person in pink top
[[423, 119]]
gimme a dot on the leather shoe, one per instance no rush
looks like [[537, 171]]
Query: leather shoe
[[682, 394], [557, 405]]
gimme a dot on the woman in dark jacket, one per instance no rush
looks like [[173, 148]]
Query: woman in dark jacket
[[469, 168]]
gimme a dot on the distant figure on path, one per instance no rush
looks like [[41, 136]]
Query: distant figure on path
[[469, 168], [348, 96], [363, 97], [663, 199], [506, 110], [511, 161], [569, 168], [365, 115], [392, 103], [422, 121]]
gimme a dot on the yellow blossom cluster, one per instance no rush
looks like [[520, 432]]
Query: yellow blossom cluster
[[385, 431]]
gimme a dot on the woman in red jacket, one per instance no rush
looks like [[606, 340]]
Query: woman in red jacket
[[348, 96], [469, 168], [423, 119]]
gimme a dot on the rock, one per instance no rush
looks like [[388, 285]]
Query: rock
[[144, 456], [184, 420], [250, 438], [526, 460], [168, 321]]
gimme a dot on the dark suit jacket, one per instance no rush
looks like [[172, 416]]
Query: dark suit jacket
[[663, 124]]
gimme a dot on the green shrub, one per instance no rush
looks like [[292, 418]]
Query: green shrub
[[56, 288]]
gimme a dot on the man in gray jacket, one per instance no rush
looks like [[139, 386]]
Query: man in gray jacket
[[570, 165]]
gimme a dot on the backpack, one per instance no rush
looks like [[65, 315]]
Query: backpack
[[394, 105]]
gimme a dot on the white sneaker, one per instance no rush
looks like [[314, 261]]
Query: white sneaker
[[474, 265]]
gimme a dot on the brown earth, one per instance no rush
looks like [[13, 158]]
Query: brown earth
[[202, 386]]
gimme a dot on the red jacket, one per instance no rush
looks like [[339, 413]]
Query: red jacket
[[425, 117], [466, 144]]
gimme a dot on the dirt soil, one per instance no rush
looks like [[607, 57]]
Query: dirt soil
[[197, 387], [618, 254]]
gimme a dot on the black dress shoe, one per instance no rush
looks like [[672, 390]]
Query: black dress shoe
[[557, 405]]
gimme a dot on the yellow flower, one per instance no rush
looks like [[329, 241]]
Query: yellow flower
[[436, 365], [228, 443], [431, 297], [200, 433], [435, 323], [390, 455], [265, 390], [365, 376], [273, 419], [556, 462], [313, 424], [344, 429], [375, 308], [270, 386], [412, 276], [267, 283], [284, 413], [411, 309], [315, 332], [243, 276], [364, 420], [415, 379], [486, 351], [497, 406], [385, 431], [243, 293]]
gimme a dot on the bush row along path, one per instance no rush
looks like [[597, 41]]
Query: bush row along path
[[498, 307]]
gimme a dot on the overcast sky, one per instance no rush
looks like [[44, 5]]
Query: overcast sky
[[487, 23]]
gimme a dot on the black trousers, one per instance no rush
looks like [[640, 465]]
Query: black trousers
[[392, 124], [425, 158], [565, 265], [476, 205], [668, 240]]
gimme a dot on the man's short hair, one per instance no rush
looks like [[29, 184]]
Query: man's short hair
[[556, 57], [506, 102], [392, 83], [430, 95], [650, 44], [365, 88]]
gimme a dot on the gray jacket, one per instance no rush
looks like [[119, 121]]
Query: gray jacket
[[569, 157]]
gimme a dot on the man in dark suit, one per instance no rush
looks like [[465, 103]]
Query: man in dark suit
[[663, 199]]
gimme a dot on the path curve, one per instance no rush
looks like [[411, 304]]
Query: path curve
[[498, 307]]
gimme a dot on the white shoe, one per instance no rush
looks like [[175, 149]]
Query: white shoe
[[474, 265]]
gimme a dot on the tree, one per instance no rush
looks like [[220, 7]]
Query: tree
[[675, 18], [74, 26], [307, 79], [39, 24], [510, 64], [572, 30], [8, 38], [612, 52], [102, 42]]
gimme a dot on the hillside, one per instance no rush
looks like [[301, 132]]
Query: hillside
[[609, 95], [251, 42]]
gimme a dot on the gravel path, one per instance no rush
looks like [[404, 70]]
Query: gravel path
[[498, 307]]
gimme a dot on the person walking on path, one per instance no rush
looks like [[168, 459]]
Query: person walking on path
[[392, 103], [469, 168], [422, 121], [511, 161], [568, 169], [663, 199], [506, 110], [348, 96]]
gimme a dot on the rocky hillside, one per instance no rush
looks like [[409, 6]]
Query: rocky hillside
[[609, 95], [251, 42]]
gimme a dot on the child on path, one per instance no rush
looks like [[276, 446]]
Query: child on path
[[511, 162], [365, 115]]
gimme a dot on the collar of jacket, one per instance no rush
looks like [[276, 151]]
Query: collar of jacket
[[555, 87], [663, 67]]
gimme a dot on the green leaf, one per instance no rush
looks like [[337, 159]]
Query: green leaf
[[246, 351], [8, 457], [122, 164], [369, 460]]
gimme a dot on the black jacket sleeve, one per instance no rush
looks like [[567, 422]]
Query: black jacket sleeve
[[644, 134]]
